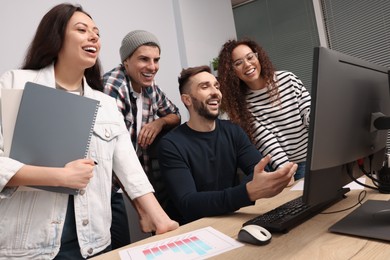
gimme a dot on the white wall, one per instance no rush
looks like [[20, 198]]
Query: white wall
[[202, 25]]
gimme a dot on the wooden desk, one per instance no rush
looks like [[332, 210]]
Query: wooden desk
[[310, 240]]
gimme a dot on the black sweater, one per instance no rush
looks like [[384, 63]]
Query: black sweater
[[200, 170]]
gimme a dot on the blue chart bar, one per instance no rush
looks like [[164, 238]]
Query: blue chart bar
[[183, 247], [173, 247], [201, 244], [192, 245]]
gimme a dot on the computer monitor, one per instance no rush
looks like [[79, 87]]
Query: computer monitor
[[349, 95]]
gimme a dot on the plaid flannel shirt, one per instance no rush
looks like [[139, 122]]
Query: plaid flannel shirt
[[155, 104]]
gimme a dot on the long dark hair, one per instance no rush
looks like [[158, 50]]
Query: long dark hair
[[234, 90], [48, 41]]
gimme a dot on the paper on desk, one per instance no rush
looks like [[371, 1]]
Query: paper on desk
[[352, 185], [198, 244]]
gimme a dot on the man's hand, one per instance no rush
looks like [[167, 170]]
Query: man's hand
[[268, 184], [149, 132]]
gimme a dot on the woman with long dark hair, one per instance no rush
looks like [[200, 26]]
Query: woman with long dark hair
[[46, 225]]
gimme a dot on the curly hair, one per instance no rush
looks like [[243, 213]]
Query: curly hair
[[234, 90]]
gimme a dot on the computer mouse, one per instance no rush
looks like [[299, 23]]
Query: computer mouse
[[382, 215], [254, 234]]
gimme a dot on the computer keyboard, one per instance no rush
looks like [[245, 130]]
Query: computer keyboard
[[287, 216]]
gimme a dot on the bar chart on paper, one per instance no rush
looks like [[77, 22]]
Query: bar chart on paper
[[198, 244]]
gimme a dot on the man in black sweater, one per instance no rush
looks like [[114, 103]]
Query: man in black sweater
[[199, 160]]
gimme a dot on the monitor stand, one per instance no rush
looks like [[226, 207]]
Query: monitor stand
[[371, 220]]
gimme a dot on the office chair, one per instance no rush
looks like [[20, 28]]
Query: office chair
[[154, 175]]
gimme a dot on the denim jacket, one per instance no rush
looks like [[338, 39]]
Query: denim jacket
[[31, 222]]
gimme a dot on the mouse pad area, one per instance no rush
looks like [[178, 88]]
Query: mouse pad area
[[361, 222]]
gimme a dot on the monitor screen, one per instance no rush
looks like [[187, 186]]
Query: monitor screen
[[346, 94]]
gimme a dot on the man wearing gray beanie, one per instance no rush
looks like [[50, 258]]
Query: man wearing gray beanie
[[147, 112]]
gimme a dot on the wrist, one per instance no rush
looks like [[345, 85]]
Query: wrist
[[163, 123], [60, 177], [249, 190]]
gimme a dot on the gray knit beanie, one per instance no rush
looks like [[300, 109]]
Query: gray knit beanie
[[133, 40]]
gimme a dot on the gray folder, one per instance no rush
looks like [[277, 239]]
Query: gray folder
[[52, 128]]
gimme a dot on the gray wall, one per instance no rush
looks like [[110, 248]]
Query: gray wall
[[190, 32], [287, 30]]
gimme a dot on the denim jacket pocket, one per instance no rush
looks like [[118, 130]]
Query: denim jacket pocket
[[104, 139]]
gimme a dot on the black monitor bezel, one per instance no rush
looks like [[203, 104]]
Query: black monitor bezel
[[314, 177]]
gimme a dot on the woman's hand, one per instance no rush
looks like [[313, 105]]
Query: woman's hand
[[78, 173], [151, 216], [75, 175]]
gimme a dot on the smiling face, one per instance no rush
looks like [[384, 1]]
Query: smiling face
[[204, 97], [246, 65], [142, 66], [81, 44]]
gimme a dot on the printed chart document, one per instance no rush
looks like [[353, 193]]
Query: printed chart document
[[52, 128], [198, 244]]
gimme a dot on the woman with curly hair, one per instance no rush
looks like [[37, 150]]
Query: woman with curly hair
[[272, 106]]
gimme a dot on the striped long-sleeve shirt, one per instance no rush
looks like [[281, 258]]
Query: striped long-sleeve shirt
[[281, 129]]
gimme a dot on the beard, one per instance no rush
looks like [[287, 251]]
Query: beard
[[202, 110]]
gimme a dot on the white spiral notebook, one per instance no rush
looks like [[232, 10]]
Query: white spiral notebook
[[52, 128]]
